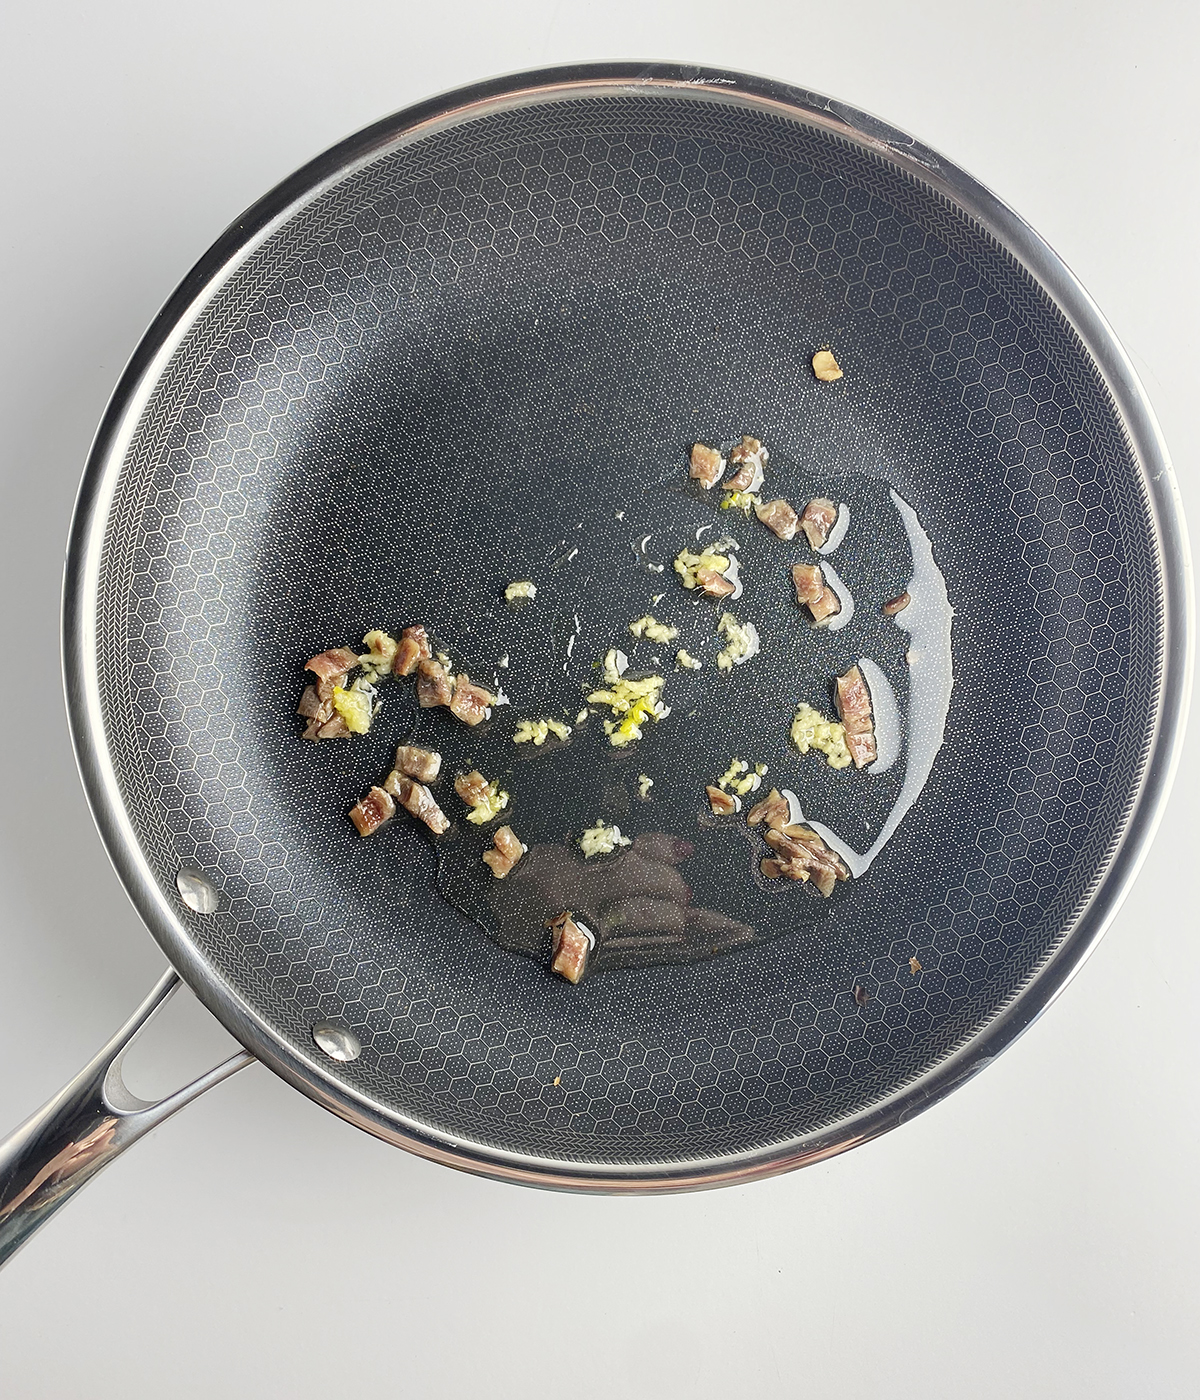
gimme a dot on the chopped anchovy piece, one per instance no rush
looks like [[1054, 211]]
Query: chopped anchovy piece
[[896, 605], [778, 517], [334, 728], [706, 466], [812, 590], [818, 519], [485, 799], [854, 708], [470, 703], [722, 803], [434, 686], [800, 854], [418, 801], [414, 646], [748, 457], [773, 809], [422, 764], [825, 367], [712, 584], [331, 665], [505, 851], [572, 943], [310, 706], [371, 813]]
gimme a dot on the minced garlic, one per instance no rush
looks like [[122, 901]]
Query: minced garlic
[[739, 777], [354, 706], [520, 590], [825, 366], [742, 642], [689, 663], [380, 653], [634, 702], [616, 663], [744, 501], [653, 630], [536, 731], [811, 730], [644, 785], [600, 840], [686, 564]]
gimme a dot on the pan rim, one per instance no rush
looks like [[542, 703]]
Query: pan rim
[[213, 270]]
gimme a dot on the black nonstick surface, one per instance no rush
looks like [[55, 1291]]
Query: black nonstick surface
[[458, 361]]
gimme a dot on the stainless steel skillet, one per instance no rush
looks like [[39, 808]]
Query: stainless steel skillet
[[480, 336]]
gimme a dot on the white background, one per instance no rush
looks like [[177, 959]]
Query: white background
[[1035, 1235]]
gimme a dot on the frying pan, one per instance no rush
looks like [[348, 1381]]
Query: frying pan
[[472, 345]]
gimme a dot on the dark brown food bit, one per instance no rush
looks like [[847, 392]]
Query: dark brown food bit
[[316, 704], [422, 764], [472, 787], [712, 584], [861, 995], [854, 710], [417, 800], [414, 646], [772, 867], [818, 519], [506, 851], [371, 813], [778, 517], [311, 706], [706, 465], [434, 686], [914, 965], [773, 809], [896, 605], [571, 945], [721, 802], [470, 703]]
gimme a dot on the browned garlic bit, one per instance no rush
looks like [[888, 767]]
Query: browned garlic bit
[[571, 945], [825, 367], [371, 813], [854, 710], [506, 850], [316, 704], [722, 803], [471, 703], [707, 464], [422, 764], [818, 519], [414, 646], [896, 605], [812, 590], [418, 801], [434, 686], [914, 965], [778, 517]]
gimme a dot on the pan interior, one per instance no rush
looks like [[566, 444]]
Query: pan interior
[[486, 349]]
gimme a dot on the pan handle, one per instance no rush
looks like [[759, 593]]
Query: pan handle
[[83, 1128]]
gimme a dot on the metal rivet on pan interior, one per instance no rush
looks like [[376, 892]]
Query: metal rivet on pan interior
[[197, 892], [337, 1042]]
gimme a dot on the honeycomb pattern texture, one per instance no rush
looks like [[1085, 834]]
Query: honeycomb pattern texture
[[413, 386]]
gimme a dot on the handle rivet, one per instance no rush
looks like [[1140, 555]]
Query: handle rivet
[[337, 1042]]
